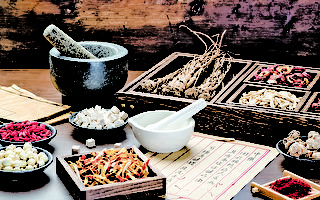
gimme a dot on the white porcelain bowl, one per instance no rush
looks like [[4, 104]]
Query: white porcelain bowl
[[168, 140]]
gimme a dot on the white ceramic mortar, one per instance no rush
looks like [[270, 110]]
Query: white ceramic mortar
[[167, 140]]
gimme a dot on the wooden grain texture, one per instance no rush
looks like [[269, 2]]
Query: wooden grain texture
[[38, 81], [313, 99], [153, 185], [278, 31]]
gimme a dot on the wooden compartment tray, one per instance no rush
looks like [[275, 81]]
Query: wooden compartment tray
[[176, 61], [266, 191], [314, 73], [308, 106], [143, 188], [221, 118]]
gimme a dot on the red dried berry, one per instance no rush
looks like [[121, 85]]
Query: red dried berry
[[24, 131]]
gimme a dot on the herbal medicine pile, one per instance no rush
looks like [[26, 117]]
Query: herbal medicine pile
[[16, 158], [109, 166], [309, 149], [291, 187], [184, 81], [100, 118], [25, 131], [283, 75], [271, 98]]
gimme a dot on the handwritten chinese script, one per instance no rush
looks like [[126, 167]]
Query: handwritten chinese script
[[211, 169]]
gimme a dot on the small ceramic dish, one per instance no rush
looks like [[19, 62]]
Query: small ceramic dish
[[282, 150], [38, 142], [98, 131], [20, 174]]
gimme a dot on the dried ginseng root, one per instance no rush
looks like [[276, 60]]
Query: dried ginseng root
[[183, 82], [208, 88]]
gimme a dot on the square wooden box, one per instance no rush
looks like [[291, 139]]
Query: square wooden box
[[149, 187]]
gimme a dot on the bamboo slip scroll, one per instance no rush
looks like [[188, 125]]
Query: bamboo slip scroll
[[17, 104], [210, 168]]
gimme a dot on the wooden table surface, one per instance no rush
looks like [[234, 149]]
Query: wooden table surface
[[49, 186]]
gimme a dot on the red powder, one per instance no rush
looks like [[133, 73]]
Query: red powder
[[293, 188]]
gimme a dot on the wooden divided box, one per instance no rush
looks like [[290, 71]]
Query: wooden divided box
[[174, 62], [312, 107], [223, 116], [150, 187]]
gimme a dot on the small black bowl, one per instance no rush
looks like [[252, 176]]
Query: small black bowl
[[282, 150], [96, 131], [21, 174], [38, 143]]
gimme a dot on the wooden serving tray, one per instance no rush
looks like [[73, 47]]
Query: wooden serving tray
[[266, 191], [152, 186]]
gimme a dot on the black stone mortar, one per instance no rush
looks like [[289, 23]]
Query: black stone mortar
[[89, 82]]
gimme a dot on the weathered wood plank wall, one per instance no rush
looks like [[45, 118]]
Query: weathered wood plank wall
[[280, 31]]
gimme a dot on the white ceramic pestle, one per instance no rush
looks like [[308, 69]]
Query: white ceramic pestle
[[181, 115]]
